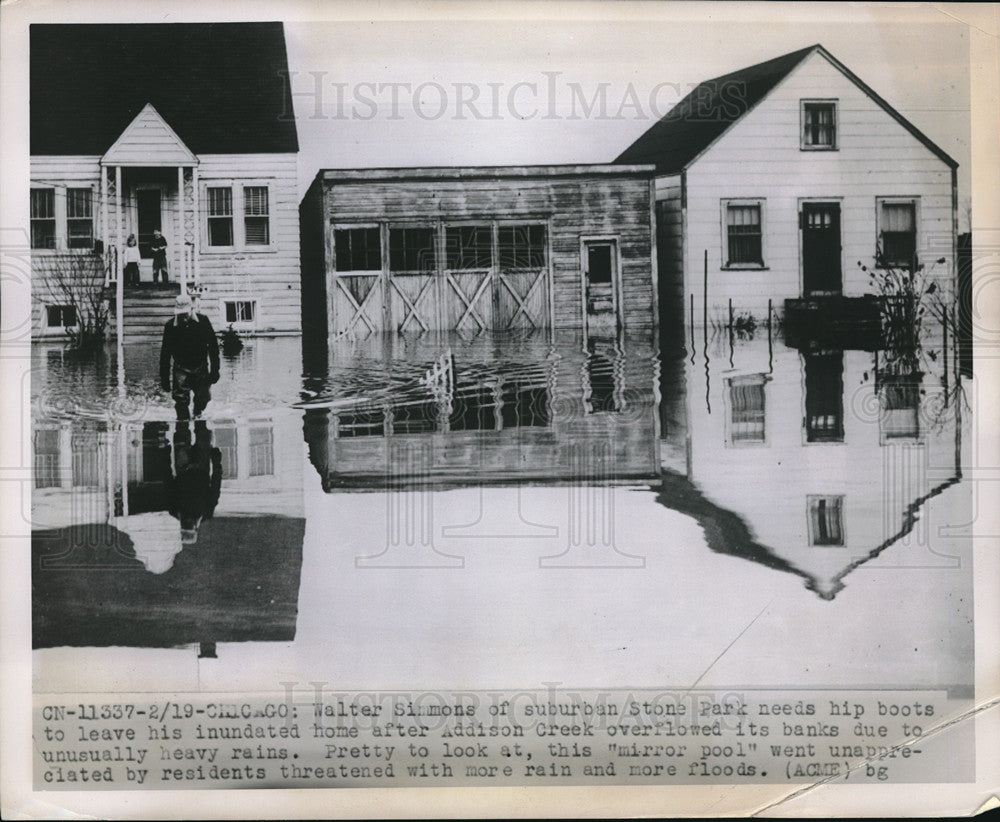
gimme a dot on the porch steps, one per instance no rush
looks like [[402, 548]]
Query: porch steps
[[146, 311]]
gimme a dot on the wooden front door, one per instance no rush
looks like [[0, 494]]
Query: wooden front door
[[821, 270], [148, 217]]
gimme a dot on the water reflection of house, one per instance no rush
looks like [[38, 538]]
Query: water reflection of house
[[774, 180], [826, 455], [471, 249], [156, 535], [177, 127], [532, 410]]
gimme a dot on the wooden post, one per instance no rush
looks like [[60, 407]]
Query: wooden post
[[179, 241], [944, 351], [105, 234], [119, 284], [197, 221]]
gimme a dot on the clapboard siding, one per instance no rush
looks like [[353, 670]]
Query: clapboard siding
[[574, 206], [760, 157], [272, 276]]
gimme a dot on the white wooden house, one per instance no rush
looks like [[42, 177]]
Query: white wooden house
[[177, 127], [774, 181]]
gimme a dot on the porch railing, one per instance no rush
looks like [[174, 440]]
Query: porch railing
[[111, 266]]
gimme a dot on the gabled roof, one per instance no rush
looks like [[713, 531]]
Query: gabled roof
[[222, 87], [149, 140], [713, 106]]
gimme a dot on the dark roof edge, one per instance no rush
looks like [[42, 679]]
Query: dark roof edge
[[479, 172], [899, 118]]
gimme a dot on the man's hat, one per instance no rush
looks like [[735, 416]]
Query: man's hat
[[182, 304]]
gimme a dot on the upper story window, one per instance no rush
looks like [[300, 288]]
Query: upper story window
[[79, 218], [897, 233], [819, 124], [744, 240], [43, 218], [220, 216]]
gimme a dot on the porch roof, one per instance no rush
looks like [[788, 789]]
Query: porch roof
[[149, 141]]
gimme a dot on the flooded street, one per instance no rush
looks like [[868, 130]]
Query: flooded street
[[586, 513]]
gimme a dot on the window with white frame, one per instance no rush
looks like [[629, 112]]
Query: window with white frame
[[256, 216], [826, 520], [79, 218], [220, 216], [43, 218], [744, 233], [819, 125], [897, 232], [240, 312]]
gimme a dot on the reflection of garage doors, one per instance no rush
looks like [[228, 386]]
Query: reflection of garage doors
[[470, 277]]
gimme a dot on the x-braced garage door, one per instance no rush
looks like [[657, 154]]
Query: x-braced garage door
[[469, 277]]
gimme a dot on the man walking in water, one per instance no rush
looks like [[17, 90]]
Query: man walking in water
[[189, 343]]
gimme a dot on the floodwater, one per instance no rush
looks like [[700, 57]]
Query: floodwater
[[464, 511]]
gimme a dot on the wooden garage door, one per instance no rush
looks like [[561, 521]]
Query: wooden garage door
[[413, 281], [357, 294], [467, 299], [520, 286]]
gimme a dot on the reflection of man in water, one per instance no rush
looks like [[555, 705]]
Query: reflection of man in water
[[193, 490], [189, 343]]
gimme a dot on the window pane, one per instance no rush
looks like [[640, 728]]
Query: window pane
[[78, 202], [43, 203], [258, 231], [220, 202], [744, 234], [255, 210], [522, 246], [899, 233], [469, 247], [220, 231], [819, 124], [357, 249], [255, 201], [412, 249], [43, 224]]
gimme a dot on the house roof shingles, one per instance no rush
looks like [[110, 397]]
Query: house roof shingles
[[713, 106], [223, 87]]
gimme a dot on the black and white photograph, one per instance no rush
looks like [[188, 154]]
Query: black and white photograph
[[489, 402]]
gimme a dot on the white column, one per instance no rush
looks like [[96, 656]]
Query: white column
[[197, 221], [119, 285], [105, 234], [181, 255]]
